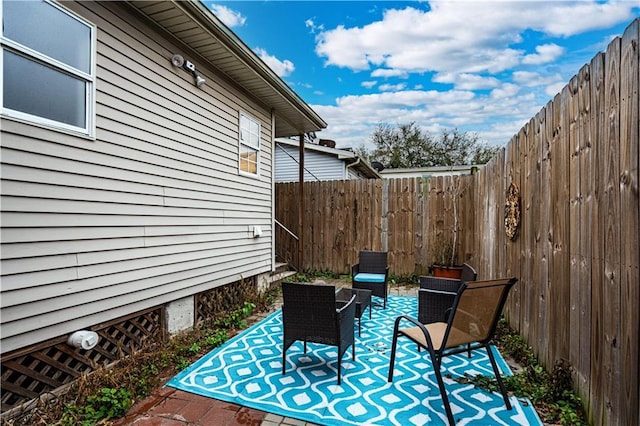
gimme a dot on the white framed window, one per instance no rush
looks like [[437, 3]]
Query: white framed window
[[249, 145], [47, 66]]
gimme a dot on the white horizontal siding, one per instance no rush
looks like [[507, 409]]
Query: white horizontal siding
[[152, 210], [318, 166]]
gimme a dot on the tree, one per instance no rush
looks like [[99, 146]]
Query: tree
[[407, 145]]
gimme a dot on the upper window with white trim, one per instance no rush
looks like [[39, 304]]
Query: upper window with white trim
[[249, 145], [48, 65]]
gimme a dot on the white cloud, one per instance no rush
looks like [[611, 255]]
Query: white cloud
[[553, 89], [386, 73], [353, 118], [313, 28], [281, 68], [470, 45], [466, 37], [229, 17], [544, 53], [392, 87], [533, 79], [552, 83], [467, 81], [507, 90]]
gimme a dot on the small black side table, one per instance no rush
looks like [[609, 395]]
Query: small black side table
[[363, 301]]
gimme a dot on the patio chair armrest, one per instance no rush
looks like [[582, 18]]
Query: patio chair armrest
[[416, 323], [344, 305], [355, 269], [438, 283]]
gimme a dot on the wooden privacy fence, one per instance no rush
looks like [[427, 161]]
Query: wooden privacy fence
[[400, 216], [577, 251]]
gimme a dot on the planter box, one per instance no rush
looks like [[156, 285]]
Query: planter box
[[446, 271]]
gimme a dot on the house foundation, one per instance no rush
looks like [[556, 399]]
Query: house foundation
[[180, 315]]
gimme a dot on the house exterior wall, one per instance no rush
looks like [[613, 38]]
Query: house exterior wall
[[354, 174], [318, 166], [150, 211]]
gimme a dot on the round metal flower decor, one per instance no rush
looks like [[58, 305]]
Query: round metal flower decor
[[512, 211]]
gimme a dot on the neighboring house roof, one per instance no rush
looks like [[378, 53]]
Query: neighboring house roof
[[197, 27], [351, 159], [430, 171]]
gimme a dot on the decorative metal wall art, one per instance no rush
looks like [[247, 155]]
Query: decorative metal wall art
[[512, 211]]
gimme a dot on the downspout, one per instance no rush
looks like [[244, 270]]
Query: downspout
[[351, 165], [273, 190], [301, 203]]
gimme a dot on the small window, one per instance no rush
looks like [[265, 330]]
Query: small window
[[249, 145], [48, 74]]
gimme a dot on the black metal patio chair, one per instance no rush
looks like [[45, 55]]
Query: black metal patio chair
[[471, 325]]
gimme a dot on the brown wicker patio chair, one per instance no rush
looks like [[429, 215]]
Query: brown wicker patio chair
[[474, 316], [311, 313], [371, 273], [433, 306]]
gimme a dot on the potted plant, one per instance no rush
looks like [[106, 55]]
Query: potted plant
[[443, 257], [443, 249]]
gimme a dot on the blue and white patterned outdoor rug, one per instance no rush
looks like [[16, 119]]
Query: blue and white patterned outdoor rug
[[247, 370]]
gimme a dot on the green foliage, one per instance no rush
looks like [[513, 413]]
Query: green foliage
[[235, 319], [109, 403], [411, 279], [317, 273], [216, 339], [299, 277], [144, 379], [407, 145], [136, 375], [181, 364]]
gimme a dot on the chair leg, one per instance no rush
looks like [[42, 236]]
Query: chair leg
[[392, 359], [284, 360], [339, 369], [435, 360], [505, 396]]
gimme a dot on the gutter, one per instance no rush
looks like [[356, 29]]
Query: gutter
[[245, 54]]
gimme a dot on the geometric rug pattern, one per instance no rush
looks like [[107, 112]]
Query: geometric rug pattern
[[247, 370]]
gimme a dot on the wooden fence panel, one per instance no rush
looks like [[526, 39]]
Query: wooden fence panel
[[598, 310], [585, 205], [528, 236], [543, 250], [513, 247], [481, 246], [574, 218], [629, 220], [611, 168]]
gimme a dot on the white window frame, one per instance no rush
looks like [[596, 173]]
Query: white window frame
[[35, 56], [245, 140]]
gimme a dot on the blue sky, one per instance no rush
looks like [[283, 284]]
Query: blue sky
[[480, 66]]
